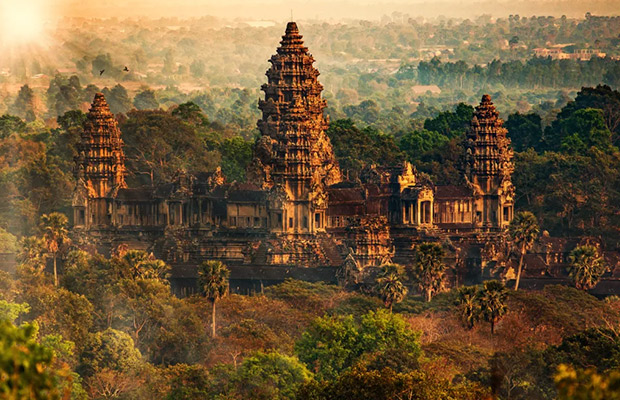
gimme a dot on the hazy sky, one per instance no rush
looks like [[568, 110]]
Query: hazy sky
[[325, 9]]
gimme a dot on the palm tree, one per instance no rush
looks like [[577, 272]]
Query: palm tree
[[54, 228], [213, 280], [469, 306], [428, 269], [523, 231], [389, 285], [586, 266], [32, 251], [143, 265], [492, 300]]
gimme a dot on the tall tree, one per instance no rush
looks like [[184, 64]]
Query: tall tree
[[54, 229], [587, 266], [118, 99], [24, 105], [492, 300], [213, 280], [145, 100], [523, 231], [389, 285], [469, 306], [428, 269]]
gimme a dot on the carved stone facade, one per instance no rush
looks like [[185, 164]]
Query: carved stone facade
[[100, 166], [297, 211], [294, 155]]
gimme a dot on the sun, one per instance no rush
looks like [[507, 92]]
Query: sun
[[21, 22]]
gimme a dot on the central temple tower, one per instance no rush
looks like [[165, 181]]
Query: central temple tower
[[489, 166], [294, 158], [100, 166]]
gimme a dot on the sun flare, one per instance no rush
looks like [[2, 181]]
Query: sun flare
[[21, 22]]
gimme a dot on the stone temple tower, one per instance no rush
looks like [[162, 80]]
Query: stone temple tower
[[100, 166], [294, 157], [488, 167]]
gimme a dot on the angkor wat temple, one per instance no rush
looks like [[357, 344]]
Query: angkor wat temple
[[296, 216]]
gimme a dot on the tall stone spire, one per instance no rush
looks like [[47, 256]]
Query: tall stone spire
[[488, 148], [101, 161], [293, 152], [489, 166]]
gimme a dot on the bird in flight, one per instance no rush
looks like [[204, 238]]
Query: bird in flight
[[101, 72], [126, 69]]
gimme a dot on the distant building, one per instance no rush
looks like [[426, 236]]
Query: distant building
[[558, 53], [296, 213]]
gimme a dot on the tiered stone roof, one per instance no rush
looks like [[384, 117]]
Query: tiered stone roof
[[489, 155], [293, 146], [101, 161]]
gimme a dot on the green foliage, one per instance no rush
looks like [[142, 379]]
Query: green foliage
[[109, 350], [580, 131], [356, 304], [332, 344], [524, 130], [571, 194], [523, 231], [415, 144], [8, 242], [451, 124], [302, 294], [236, 156], [329, 346], [389, 285], [26, 367], [492, 300], [10, 124], [428, 269], [213, 280], [146, 100], [586, 384], [356, 148], [469, 307], [186, 382], [270, 376], [587, 266], [118, 99], [159, 145], [137, 264], [387, 384], [190, 112], [11, 311]]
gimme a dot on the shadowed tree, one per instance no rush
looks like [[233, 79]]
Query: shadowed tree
[[523, 231], [146, 100], [469, 306], [54, 228], [586, 266], [213, 281], [428, 269], [492, 299], [389, 285]]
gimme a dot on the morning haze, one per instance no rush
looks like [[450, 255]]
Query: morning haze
[[202, 200], [332, 10]]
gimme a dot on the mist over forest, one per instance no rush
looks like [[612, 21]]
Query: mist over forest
[[402, 79]]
